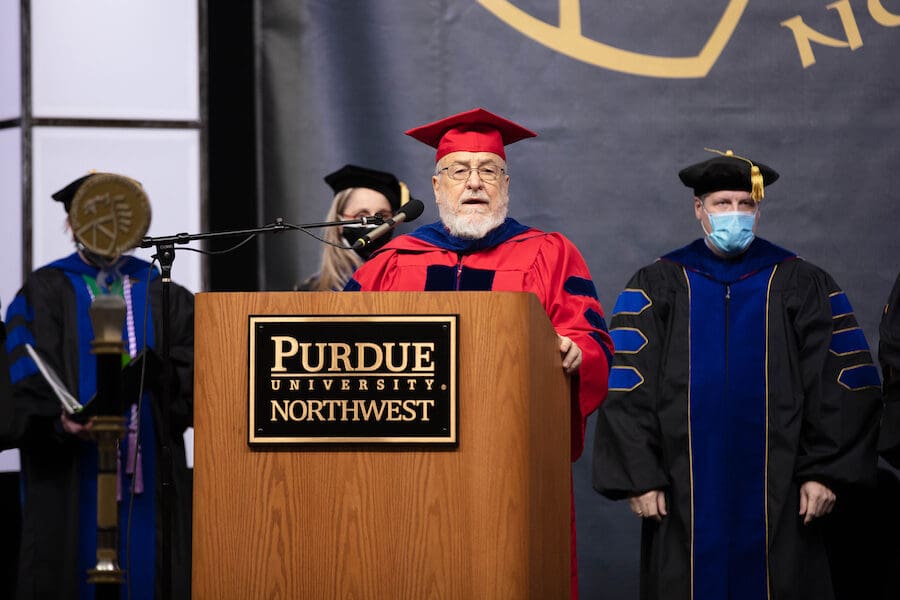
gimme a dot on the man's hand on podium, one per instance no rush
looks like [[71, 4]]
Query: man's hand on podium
[[571, 354]]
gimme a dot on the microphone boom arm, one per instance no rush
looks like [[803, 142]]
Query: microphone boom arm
[[277, 226]]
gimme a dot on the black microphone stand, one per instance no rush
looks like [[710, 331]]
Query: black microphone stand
[[165, 254]]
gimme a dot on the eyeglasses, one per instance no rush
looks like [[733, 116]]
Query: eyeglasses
[[489, 173], [379, 217]]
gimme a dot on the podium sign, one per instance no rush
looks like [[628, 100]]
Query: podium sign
[[361, 379]]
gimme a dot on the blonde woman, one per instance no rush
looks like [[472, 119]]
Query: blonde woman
[[358, 192]]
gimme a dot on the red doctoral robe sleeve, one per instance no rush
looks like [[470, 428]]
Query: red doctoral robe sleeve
[[546, 264]]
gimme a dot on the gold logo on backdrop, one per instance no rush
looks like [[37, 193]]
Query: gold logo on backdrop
[[805, 36], [568, 39]]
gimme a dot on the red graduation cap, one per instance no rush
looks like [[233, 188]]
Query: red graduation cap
[[475, 130]]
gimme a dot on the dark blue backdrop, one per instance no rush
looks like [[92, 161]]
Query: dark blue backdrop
[[622, 95]]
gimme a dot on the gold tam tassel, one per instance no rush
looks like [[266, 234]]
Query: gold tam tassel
[[404, 193], [757, 184]]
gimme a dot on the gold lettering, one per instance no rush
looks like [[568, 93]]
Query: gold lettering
[[294, 405], [409, 406], [361, 364], [345, 385], [331, 404], [304, 357], [363, 385], [351, 407], [423, 360], [295, 385], [276, 384], [374, 408], [804, 34], [393, 410], [353, 410], [315, 408], [425, 404], [412, 384], [340, 353], [428, 384], [881, 15], [379, 385], [285, 347], [389, 356], [283, 411], [327, 383]]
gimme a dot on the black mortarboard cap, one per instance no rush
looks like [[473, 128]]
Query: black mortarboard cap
[[67, 194], [728, 172], [351, 176]]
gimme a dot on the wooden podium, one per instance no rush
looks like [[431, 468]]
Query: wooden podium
[[486, 519]]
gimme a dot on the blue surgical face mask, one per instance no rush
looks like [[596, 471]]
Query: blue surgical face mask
[[731, 232]]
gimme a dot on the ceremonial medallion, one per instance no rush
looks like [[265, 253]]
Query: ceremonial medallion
[[110, 214]]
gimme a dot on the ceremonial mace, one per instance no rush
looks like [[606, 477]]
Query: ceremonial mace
[[109, 214], [107, 314]]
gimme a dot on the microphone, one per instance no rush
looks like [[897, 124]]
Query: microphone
[[408, 212]]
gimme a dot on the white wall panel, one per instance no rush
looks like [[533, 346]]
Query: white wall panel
[[11, 223], [10, 78], [10, 233], [9, 461], [165, 161], [126, 60]]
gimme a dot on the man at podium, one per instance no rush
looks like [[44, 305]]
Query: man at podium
[[476, 247]]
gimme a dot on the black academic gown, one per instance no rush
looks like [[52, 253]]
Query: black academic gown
[[889, 357], [6, 412], [734, 382], [46, 315], [864, 529]]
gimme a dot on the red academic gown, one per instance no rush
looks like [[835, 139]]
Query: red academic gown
[[511, 258]]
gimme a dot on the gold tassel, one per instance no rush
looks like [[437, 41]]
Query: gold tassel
[[404, 193], [757, 184]]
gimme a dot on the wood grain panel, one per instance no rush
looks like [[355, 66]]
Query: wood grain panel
[[487, 519]]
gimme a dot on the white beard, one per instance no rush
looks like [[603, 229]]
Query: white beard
[[472, 223], [472, 226]]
